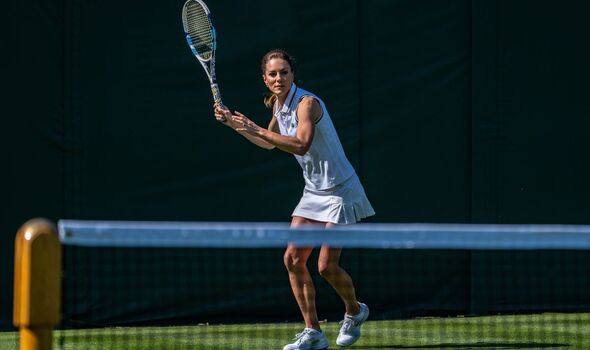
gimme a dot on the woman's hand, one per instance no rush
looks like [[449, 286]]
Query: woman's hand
[[223, 115], [242, 123]]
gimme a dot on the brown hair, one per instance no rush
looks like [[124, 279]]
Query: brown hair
[[269, 98]]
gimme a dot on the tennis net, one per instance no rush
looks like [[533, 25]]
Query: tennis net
[[182, 285]]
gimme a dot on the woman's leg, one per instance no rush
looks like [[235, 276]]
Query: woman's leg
[[330, 270], [295, 260]]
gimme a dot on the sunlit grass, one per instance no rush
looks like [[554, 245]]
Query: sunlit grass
[[540, 331]]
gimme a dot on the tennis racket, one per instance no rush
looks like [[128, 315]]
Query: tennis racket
[[200, 36]]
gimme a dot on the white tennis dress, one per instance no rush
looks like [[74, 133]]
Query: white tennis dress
[[333, 192]]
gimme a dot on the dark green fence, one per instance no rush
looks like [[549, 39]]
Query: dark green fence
[[451, 111]]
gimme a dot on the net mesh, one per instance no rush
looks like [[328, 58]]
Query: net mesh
[[137, 285], [198, 27]]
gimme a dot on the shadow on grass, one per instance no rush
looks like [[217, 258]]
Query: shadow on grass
[[469, 346]]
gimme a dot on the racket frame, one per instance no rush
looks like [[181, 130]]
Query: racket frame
[[209, 63]]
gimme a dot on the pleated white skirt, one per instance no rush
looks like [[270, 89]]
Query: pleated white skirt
[[344, 204]]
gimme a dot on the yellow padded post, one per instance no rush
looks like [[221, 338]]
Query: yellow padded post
[[37, 283]]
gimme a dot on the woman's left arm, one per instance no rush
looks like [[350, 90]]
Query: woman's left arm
[[308, 112]]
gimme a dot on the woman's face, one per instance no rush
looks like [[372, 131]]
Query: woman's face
[[278, 77]]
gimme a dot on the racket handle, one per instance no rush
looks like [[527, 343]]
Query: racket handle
[[216, 94], [217, 97]]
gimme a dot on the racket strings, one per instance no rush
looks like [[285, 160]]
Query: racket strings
[[200, 30]]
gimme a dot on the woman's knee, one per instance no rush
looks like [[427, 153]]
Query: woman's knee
[[327, 269], [293, 261]]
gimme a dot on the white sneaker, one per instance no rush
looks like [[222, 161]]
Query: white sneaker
[[309, 339], [351, 327]]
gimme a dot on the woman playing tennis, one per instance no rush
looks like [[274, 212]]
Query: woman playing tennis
[[332, 195]]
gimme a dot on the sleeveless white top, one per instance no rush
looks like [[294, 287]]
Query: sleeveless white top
[[324, 165]]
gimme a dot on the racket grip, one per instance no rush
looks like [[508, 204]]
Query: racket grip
[[217, 97], [216, 94]]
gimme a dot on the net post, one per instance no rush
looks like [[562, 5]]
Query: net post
[[37, 283]]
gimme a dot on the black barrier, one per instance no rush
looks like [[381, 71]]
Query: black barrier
[[450, 111]]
